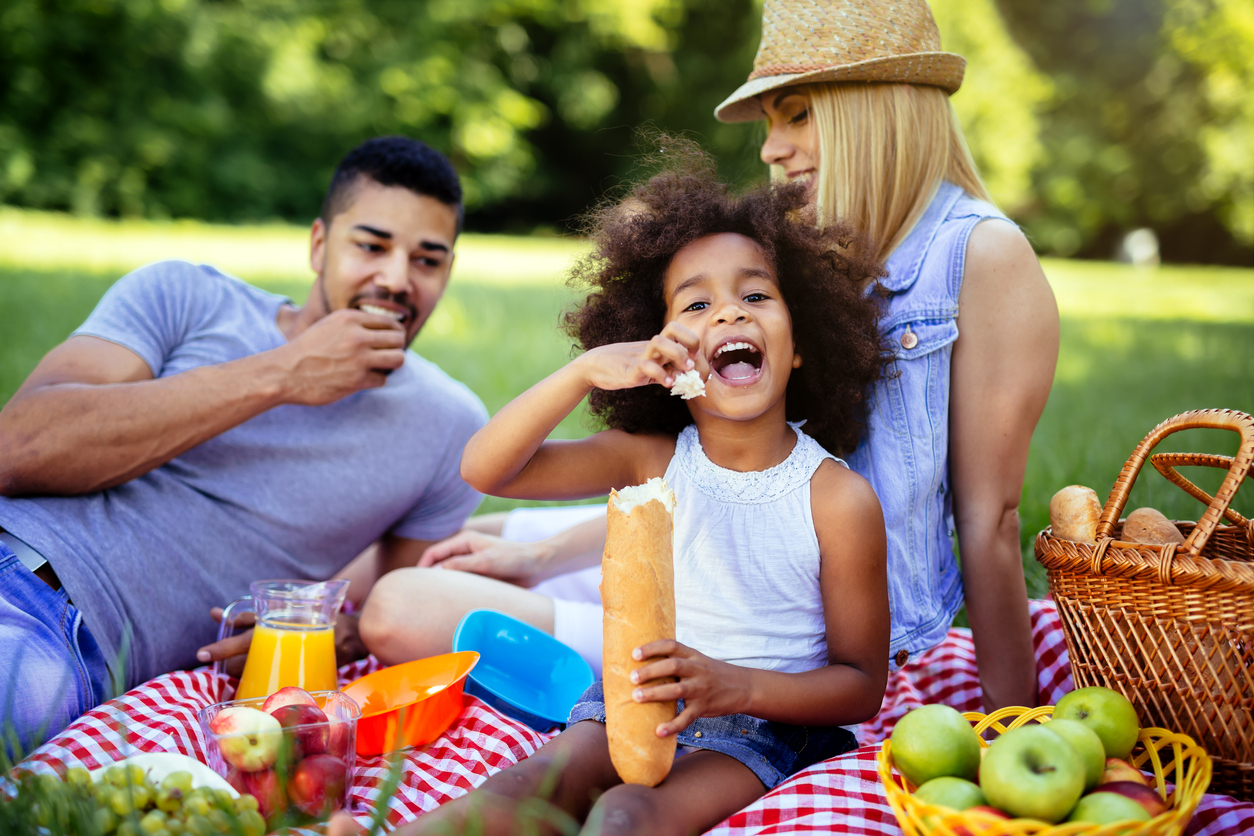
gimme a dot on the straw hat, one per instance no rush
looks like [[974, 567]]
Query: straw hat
[[805, 41]]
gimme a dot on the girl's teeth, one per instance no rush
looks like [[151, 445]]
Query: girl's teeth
[[734, 347]]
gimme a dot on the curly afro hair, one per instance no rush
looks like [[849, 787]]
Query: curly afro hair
[[821, 273]]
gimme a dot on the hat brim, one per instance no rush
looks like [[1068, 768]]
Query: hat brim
[[936, 69]]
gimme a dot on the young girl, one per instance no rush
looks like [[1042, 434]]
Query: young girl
[[780, 588]]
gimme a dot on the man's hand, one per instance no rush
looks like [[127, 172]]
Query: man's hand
[[484, 554], [233, 649], [139, 423], [342, 353]]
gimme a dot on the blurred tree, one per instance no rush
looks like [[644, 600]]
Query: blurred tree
[[223, 109], [1149, 124], [1000, 100], [1096, 117]]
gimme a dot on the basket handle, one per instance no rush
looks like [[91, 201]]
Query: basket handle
[[1215, 419], [1166, 464]]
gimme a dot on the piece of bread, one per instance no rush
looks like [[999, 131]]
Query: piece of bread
[[1150, 527], [638, 597], [689, 385], [1073, 514]]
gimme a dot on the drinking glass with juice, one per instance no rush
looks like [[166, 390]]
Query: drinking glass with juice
[[293, 640]]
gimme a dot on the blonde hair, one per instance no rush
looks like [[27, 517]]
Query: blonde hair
[[883, 151]]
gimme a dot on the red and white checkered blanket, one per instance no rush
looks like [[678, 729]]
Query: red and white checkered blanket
[[842, 795]]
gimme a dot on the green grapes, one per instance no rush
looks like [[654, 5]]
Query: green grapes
[[169, 799], [77, 776], [152, 822], [196, 805], [123, 801]]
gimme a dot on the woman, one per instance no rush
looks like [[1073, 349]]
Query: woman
[[855, 98]]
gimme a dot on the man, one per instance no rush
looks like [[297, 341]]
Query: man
[[196, 434]]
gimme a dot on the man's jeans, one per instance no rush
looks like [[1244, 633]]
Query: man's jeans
[[51, 669]]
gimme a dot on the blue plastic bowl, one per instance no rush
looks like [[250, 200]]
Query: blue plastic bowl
[[523, 671]]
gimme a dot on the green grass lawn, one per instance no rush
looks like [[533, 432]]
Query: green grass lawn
[[1137, 345]]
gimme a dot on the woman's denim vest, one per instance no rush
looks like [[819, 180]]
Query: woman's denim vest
[[905, 454]]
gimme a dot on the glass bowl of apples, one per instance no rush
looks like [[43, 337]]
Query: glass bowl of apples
[[293, 751], [1038, 784]]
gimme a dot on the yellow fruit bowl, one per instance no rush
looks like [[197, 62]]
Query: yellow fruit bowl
[[1174, 759]]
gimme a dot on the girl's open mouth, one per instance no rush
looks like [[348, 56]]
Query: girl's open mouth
[[737, 363]]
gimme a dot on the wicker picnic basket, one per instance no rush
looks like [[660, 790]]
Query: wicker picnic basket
[[1171, 627]]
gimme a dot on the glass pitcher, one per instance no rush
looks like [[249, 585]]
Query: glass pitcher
[[293, 637]]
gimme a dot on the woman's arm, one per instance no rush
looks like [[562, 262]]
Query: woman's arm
[[1003, 366], [510, 456], [525, 564], [854, 585]]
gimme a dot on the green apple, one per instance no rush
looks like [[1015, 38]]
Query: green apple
[[956, 794], [1107, 808], [935, 740], [1087, 745], [1031, 772], [1106, 712], [951, 792]]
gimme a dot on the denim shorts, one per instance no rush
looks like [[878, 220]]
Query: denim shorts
[[51, 669], [774, 751]]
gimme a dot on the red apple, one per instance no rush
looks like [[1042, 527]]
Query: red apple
[[338, 741], [960, 830], [236, 779], [291, 695], [305, 726], [248, 739], [266, 787], [1142, 794], [1120, 770], [318, 784]]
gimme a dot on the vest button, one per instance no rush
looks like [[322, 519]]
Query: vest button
[[696, 734], [909, 340], [903, 655]]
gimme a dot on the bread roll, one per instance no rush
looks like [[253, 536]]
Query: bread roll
[[1073, 514], [1150, 527], [638, 596]]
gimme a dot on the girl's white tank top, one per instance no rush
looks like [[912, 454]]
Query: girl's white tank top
[[747, 558]]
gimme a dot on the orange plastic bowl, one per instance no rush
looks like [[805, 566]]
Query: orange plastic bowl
[[410, 704]]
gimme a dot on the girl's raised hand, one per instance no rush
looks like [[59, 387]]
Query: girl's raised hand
[[708, 687], [628, 365]]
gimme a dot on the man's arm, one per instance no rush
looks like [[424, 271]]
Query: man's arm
[[92, 416]]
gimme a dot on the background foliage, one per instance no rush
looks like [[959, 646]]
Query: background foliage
[[1089, 117]]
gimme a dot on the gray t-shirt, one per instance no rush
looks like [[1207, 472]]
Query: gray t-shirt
[[296, 492]]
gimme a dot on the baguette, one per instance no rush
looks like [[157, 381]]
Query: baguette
[[1074, 513], [638, 596], [1150, 527]]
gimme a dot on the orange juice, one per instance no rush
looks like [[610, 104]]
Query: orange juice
[[284, 654]]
